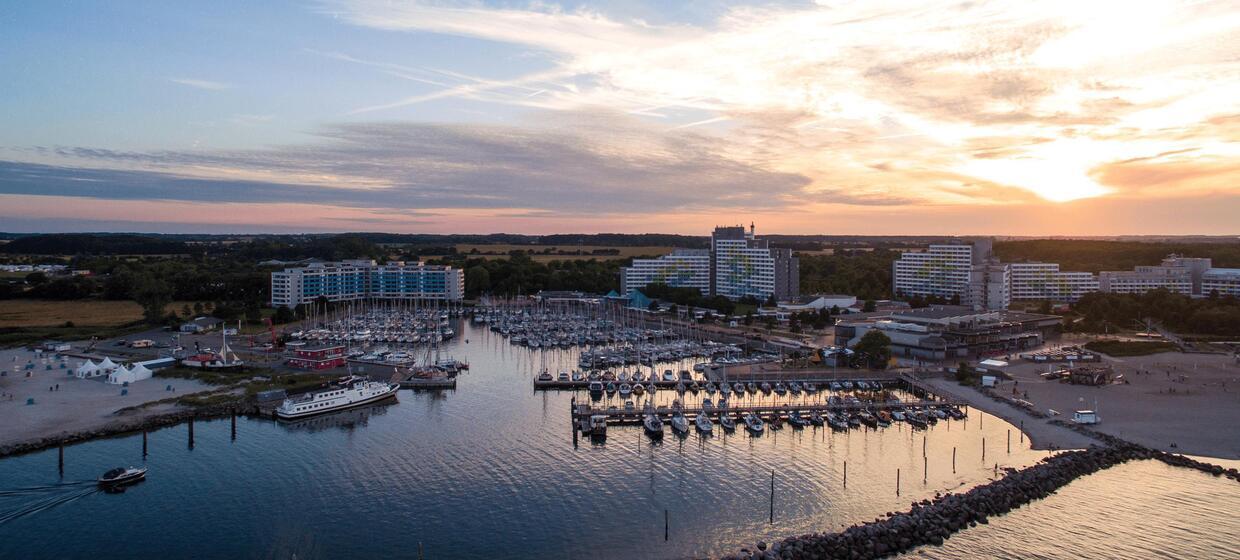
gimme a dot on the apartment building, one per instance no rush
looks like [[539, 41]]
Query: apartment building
[[365, 279]]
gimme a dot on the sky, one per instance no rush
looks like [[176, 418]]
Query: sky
[[830, 117]]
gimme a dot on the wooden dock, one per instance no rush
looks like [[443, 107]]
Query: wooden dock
[[619, 416], [427, 384]]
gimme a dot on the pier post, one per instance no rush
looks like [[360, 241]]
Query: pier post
[[665, 526], [983, 450], [923, 446], [925, 469], [1022, 431], [1009, 442], [897, 482], [234, 425], [772, 496], [191, 432], [953, 460], [845, 474], [143, 444], [61, 460]]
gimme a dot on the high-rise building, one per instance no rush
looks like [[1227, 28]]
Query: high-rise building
[[966, 270], [683, 268], [365, 279], [1142, 279], [737, 265], [1044, 281], [744, 266]]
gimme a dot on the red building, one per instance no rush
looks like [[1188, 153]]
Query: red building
[[321, 357]]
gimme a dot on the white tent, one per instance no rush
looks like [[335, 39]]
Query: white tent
[[87, 369], [107, 365], [131, 375]]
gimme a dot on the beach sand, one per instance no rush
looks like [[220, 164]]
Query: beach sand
[[1180, 403], [80, 404]]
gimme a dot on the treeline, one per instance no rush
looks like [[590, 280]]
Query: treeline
[[1095, 256], [521, 275], [93, 244], [865, 274], [1101, 312]]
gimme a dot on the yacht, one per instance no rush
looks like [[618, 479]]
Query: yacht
[[625, 389], [611, 388], [780, 389], [754, 424], [653, 426], [596, 388], [815, 418], [668, 376], [638, 388], [704, 424], [544, 376], [727, 422], [680, 424], [797, 420], [121, 476], [350, 392]]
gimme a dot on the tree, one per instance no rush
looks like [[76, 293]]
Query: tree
[[770, 301], [870, 306], [186, 311], [282, 315], [197, 308], [36, 278], [477, 280], [153, 294], [876, 346]]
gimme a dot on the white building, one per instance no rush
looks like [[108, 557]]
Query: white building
[[366, 279], [1224, 281], [744, 266], [818, 302], [683, 268], [965, 270], [1146, 278], [1044, 281]]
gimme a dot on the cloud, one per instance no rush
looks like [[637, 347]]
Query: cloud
[[871, 82], [201, 84], [588, 162]]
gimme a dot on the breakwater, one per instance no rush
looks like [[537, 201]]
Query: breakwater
[[930, 522], [124, 427]]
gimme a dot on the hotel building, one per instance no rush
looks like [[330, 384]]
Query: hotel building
[[365, 279], [966, 270], [737, 265], [1224, 281], [1044, 281]]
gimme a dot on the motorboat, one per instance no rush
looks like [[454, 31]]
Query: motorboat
[[625, 377], [754, 424], [727, 422], [596, 388], [766, 387], [707, 403], [835, 386], [815, 418], [837, 422], [794, 387], [625, 389], [680, 424], [897, 415], [703, 423], [711, 388], [738, 387], [121, 476], [563, 377], [725, 389], [598, 427], [723, 403], [781, 389], [669, 376], [611, 388], [775, 421], [578, 376], [751, 387], [638, 388], [653, 426], [848, 385], [694, 387], [811, 387], [867, 418], [629, 406], [797, 420], [545, 376]]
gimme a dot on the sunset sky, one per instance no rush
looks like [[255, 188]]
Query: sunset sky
[[833, 117]]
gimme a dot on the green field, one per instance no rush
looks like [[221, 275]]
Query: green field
[[1122, 348]]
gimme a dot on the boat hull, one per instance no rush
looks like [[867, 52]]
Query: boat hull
[[390, 393]]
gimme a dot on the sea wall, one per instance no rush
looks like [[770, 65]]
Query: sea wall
[[929, 522], [122, 427]]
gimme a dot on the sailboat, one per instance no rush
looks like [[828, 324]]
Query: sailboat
[[223, 360]]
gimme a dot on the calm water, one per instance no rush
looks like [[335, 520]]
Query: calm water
[[489, 470]]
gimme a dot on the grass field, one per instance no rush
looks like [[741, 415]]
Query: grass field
[[83, 313], [1122, 348], [500, 251]]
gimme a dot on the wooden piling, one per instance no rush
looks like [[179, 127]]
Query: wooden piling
[[665, 526], [191, 433], [923, 446], [845, 474], [953, 460], [234, 425], [897, 482], [1022, 431], [1009, 442], [925, 469], [143, 444], [772, 521], [61, 461], [983, 450]]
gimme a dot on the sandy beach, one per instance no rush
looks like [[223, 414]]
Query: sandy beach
[[78, 405], [1175, 402]]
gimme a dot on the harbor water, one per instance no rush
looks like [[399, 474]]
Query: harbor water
[[491, 470]]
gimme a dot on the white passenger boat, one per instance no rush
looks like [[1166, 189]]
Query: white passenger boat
[[351, 392]]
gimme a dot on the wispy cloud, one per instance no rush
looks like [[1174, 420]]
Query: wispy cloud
[[202, 84]]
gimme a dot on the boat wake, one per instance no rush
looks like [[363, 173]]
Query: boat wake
[[19, 502]]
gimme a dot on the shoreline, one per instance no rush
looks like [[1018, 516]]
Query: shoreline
[[123, 427]]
